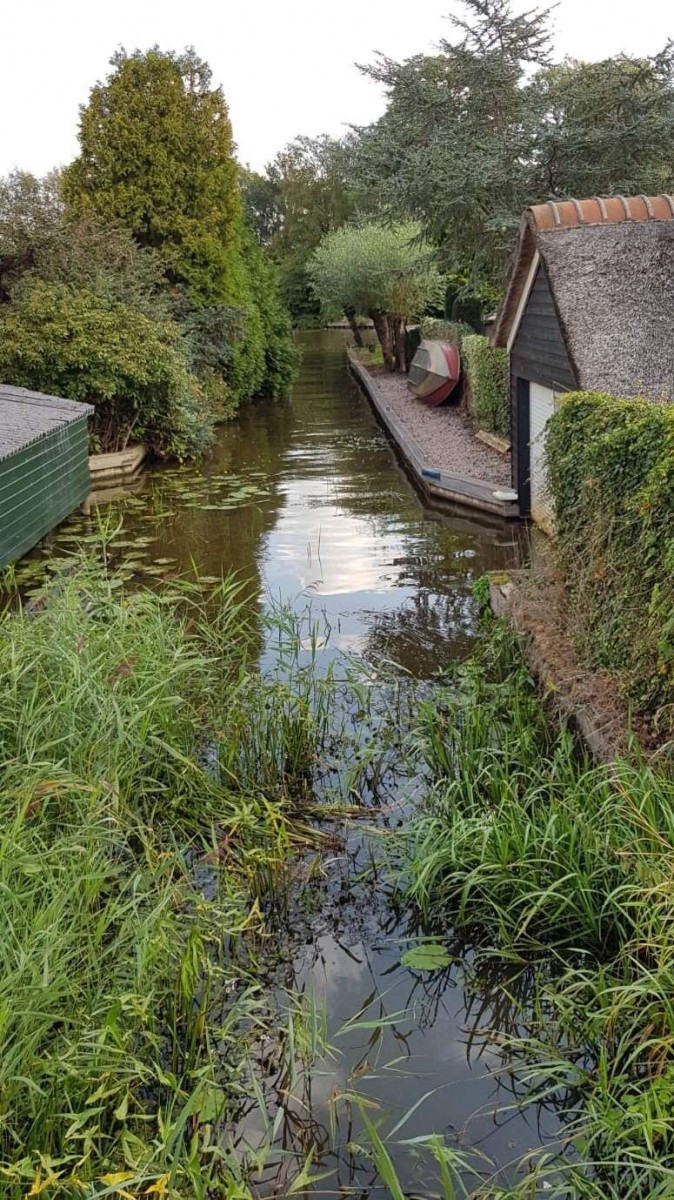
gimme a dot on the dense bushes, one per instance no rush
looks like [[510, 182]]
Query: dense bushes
[[487, 371], [76, 343], [157, 303], [611, 472]]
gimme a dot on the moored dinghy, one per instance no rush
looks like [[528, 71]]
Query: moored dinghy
[[434, 372]]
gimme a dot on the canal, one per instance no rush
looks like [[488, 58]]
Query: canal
[[306, 501]]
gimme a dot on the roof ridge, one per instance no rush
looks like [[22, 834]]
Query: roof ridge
[[599, 210]]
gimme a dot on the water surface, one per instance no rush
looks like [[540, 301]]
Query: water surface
[[306, 500]]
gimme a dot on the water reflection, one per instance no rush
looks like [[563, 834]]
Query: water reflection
[[306, 500]]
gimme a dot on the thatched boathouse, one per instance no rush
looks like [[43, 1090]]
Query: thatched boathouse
[[44, 469], [589, 305]]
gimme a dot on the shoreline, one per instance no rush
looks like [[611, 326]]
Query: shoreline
[[454, 488]]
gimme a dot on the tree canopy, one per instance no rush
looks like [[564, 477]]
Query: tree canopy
[[305, 192], [385, 271], [471, 135], [156, 155], [139, 256]]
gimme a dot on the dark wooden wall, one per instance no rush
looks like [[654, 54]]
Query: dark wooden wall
[[538, 356], [539, 353]]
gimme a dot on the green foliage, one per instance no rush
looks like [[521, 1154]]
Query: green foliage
[[452, 148], [436, 329], [306, 192], [123, 1005], [387, 272], [604, 127], [611, 473], [156, 155], [426, 957], [376, 268], [562, 871], [262, 205], [468, 310], [81, 345], [475, 132], [487, 369], [38, 238], [297, 292], [280, 356]]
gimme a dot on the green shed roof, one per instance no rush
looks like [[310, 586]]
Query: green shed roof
[[26, 416]]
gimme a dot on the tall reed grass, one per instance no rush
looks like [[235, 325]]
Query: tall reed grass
[[150, 788], [542, 858]]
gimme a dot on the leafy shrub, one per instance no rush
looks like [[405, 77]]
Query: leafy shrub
[[611, 473], [38, 239], [444, 331], [487, 370], [80, 345]]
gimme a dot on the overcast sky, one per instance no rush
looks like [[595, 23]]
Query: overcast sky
[[286, 68]]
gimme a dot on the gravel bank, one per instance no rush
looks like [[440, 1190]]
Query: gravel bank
[[445, 434]]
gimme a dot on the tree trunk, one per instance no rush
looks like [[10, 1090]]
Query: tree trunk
[[383, 332], [350, 315], [399, 343]]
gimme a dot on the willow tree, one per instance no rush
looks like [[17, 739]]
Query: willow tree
[[385, 272], [157, 156]]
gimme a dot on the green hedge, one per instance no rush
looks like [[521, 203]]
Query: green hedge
[[436, 329], [487, 370], [611, 475]]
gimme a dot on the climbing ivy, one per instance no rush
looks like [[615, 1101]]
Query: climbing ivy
[[611, 473], [486, 369]]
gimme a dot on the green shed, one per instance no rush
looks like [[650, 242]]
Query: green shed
[[44, 466]]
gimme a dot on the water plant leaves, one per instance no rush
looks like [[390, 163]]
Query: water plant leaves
[[426, 957]]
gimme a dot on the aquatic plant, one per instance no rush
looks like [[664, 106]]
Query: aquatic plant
[[132, 858], [548, 861]]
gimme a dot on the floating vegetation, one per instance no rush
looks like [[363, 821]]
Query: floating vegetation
[[117, 526]]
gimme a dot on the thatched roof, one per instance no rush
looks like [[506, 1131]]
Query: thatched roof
[[26, 416], [610, 269]]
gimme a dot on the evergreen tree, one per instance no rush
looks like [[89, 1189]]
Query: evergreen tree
[[156, 155]]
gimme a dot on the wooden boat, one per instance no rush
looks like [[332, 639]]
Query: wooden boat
[[434, 372]]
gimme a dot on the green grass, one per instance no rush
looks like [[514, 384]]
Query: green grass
[[542, 858], [137, 831]]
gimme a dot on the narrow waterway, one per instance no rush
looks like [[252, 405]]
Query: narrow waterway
[[306, 501]]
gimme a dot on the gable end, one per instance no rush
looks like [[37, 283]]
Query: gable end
[[538, 351]]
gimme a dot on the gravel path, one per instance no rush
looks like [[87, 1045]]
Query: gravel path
[[445, 434]]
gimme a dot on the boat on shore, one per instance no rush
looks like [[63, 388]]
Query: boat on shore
[[434, 372]]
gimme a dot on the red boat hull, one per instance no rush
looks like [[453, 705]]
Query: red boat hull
[[434, 372]]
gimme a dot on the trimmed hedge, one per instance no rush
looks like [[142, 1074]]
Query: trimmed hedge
[[611, 476], [487, 370]]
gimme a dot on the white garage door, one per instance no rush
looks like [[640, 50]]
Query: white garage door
[[541, 408]]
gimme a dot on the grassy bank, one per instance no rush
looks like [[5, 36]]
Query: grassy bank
[[563, 871], [138, 834]]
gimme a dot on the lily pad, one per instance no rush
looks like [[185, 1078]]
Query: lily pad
[[426, 957]]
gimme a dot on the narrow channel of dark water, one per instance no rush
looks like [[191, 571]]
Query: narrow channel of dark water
[[306, 500]]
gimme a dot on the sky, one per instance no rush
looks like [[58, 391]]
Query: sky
[[286, 66]]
